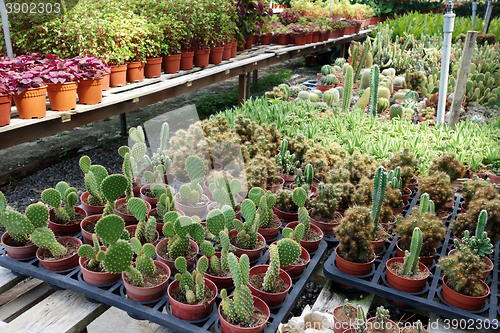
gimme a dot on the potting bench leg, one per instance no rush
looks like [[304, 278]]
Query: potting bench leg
[[342, 50], [249, 81], [242, 81], [255, 74], [123, 124]]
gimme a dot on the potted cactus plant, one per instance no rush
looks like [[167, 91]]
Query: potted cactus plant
[[327, 82], [295, 268], [286, 162], [190, 198], [64, 220], [244, 236], [381, 322], [92, 200], [223, 191], [218, 271], [165, 204], [144, 231], [345, 315], [438, 187], [408, 274], [238, 310], [191, 295], [324, 212], [269, 223]]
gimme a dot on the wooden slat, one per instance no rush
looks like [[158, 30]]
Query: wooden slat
[[31, 294], [18, 290], [63, 311], [8, 280]]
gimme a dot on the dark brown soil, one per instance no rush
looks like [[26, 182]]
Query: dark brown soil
[[279, 285], [90, 227], [221, 273], [155, 279], [96, 269], [78, 218], [12, 242], [335, 220], [86, 200], [159, 219], [398, 267], [299, 261], [345, 317], [180, 296], [234, 241], [406, 191], [123, 208], [375, 327], [443, 215], [71, 247], [148, 193], [256, 319], [163, 252], [312, 235], [274, 224]]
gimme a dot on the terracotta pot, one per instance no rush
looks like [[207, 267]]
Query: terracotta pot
[[334, 33], [147, 294], [342, 326], [105, 81], [128, 218], [463, 210], [271, 299], [265, 39], [327, 228], [137, 189], [90, 91], [315, 37], [159, 226], [118, 77], [405, 284], [287, 217], [357, 28], [152, 201], [152, 68], [187, 60], [226, 54], [216, 55], [135, 72], [494, 179], [276, 188], [352, 268], [283, 39], [427, 261], [296, 270], [398, 210], [412, 186], [172, 64], [323, 88], [234, 49], [88, 208], [191, 211], [220, 282], [191, 312], [406, 197], [65, 229], [250, 41], [96, 278], [170, 263], [271, 233], [132, 228], [5, 106], [372, 326], [310, 246], [201, 57], [291, 39], [87, 236], [349, 30], [300, 39], [258, 304], [31, 103], [252, 254], [18, 252], [61, 264], [62, 96], [309, 37], [461, 301]]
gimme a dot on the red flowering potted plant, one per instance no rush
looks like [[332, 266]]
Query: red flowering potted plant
[[91, 71]]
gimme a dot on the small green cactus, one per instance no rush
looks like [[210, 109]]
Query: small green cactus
[[64, 192], [166, 201], [145, 231], [374, 77], [179, 229], [222, 265], [326, 69], [411, 257], [328, 81], [346, 99], [480, 243], [304, 95], [382, 316], [289, 249], [274, 268], [112, 187], [360, 323], [265, 202], [347, 308], [193, 285], [299, 197], [247, 232], [94, 175], [285, 160], [379, 186], [223, 190]]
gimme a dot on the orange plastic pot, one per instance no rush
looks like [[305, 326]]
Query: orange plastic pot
[[105, 81], [64, 229], [87, 236], [5, 106], [90, 91], [135, 72], [31, 103], [188, 311], [118, 76], [402, 283], [152, 68], [352, 268], [171, 64], [62, 96], [309, 38], [226, 54], [310, 246], [128, 218], [234, 49], [187, 60], [250, 41], [300, 39], [96, 278], [60, 264], [201, 57], [265, 39], [315, 37], [271, 233], [89, 208], [462, 301], [252, 254], [216, 55]]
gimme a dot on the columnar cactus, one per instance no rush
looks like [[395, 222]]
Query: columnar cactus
[[379, 186], [480, 243], [193, 285], [360, 323], [265, 201], [91, 252], [64, 192], [179, 229], [94, 175], [274, 268], [247, 232], [285, 160], [145, 231], [411, 257], [374, 77], [160, 157], [112, 187], [240, 308], [299, 198], [132, 157], [305, 180], [346, 99]]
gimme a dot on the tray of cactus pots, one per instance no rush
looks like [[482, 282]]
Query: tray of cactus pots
[[433, 287]]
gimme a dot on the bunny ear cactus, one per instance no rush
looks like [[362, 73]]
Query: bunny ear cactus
[[18, 225], [53, 197], [289, 250], [3, 202], [90, 252], [192, 285], [145, 231], [274, 268], [411, 257], [265, 201], [94, 175], [179, 229], [112, 187], [216, 221], [247, 232], [240, 308], [299, 197], [166, 202]]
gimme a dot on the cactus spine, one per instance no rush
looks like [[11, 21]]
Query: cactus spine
[[374, 77], [346, 99], [411, 258], [288, 249]]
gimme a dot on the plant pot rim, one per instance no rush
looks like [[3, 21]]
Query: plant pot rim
[[6, 236], [421, 267], [74, 239], [315, 227], [288, 281], [357, 263], [259, 236], [211, 285], [262, 306], [88, 194]]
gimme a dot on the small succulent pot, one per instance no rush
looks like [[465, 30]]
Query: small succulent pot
[[398, 210], [18, 252], [222, 282], [494, 179], [132, 228], [288, 178], [258, 304], [159, 225], [288, 217], [152, 69], [353, 268], [170, 263], [413, 183], [271, 233], [128, 218], [66, 229], [252, 254], [91, 210], [373, 326], [339, 325], [96, 278], [296, 270], [405, 284], [327, 228], [271, 299], [118, 76], [60, 264], [461, 301], [153, 201], [189, 210], [277, 187], [488, 264], [147, 294], [191, 312], [405, 197], [426, 260], [87, 236], [310, 246], [135, 72]]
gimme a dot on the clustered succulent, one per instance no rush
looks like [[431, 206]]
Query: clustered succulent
[[448, 164], [285, 160], [64, 192], [192, 284], [438, 187], [406, 160], [355, 235]]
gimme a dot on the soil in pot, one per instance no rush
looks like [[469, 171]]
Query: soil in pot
[[18, 250], [123, 208], [279, 285], [180, 296], [257, 318], [398, 267], [70, 245], [163, 252], [234, 241], [159, 276], [79, 216], [311, 236], [343, 320]]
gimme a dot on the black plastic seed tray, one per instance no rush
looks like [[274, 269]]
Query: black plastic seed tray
[[430, 299], [156, 311]]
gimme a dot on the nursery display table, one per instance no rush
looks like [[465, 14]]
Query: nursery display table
[[118, 101]]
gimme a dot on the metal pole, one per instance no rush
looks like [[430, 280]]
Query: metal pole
[[6, 31], [474, 10], [331, 4], [487, 7], [449, 20]]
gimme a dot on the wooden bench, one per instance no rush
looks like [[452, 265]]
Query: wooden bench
[[30, 305]]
